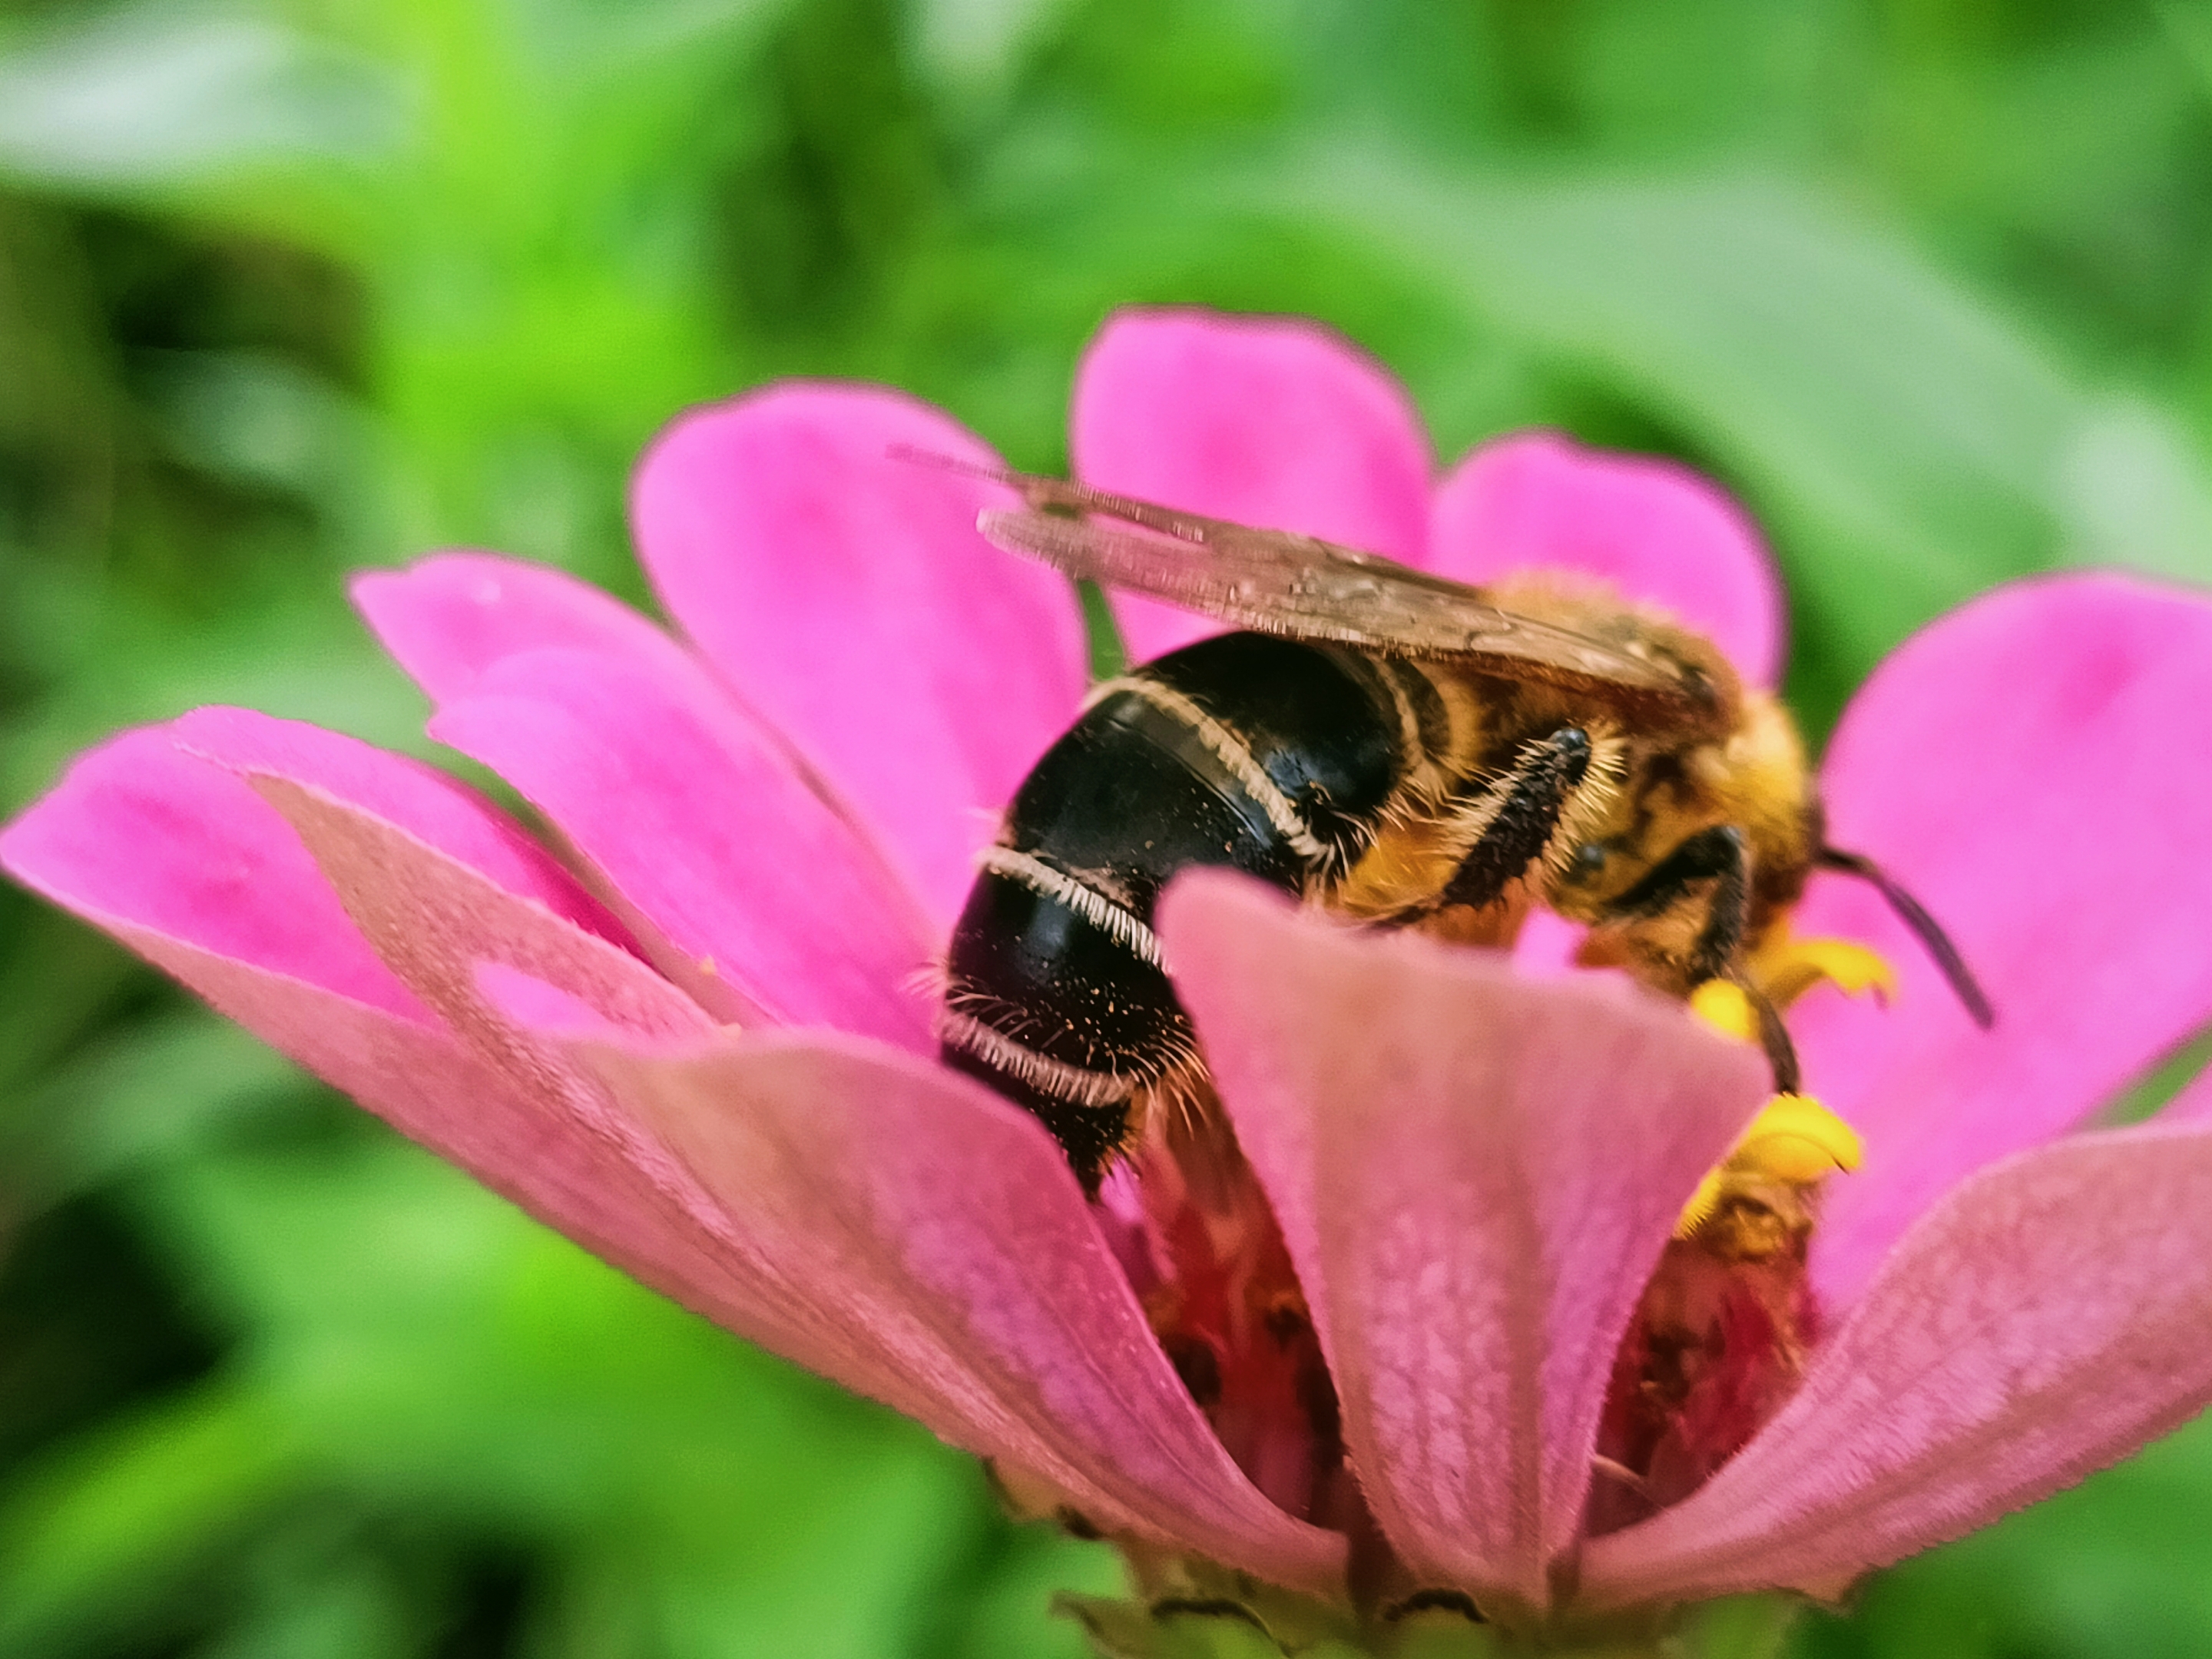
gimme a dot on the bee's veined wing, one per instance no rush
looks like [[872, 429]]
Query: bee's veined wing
[[1274, 582]]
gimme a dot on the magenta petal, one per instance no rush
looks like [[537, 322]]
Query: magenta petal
[[846, 595], [447, 618], [747, 890], [1657, 532], [1266, 421], [899, 1230], [2046, 1319], [159, 846], [436, 921], [1475, 1174], [177, 859], [500, 971], [427, 804], [2028, 766], [952, 1269], [561, 1166]]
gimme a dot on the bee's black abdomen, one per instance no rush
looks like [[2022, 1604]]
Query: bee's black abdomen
[[1130, 793], [1271, 757], [1321, 724], [1083, 981]]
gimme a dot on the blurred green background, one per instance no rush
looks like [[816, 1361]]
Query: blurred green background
[[290, 287]]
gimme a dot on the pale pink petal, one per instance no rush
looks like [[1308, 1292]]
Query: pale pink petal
[[180, 860], [843, 591], [526, 1125], [2046, 1319], [744, 886], [1475, 1174], [1655, 530], [1267, 420], [954, 1271], [943, 1264], [532, 1148], [438, 808], [436, 920], [2031, 767], [494, 964], [465, 945], [141, 835], [447, 618]]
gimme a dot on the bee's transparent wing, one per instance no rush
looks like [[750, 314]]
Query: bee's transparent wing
[[1277, 583]]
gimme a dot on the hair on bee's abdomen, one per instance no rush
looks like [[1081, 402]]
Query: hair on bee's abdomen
[[1273, 757]]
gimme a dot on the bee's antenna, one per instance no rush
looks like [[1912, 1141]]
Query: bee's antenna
[[1925, 928]]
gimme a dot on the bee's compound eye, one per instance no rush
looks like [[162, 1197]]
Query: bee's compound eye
[[1589, 860]]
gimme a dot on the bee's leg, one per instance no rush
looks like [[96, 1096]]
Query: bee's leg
[[1506, 828], [1774, 1038], [1718, 856]]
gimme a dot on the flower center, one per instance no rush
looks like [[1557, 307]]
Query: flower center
[[1720, 1336], [1220, 1294]]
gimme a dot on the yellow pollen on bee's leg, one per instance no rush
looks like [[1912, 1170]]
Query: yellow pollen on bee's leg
[[1784, 968], [1797, 1140], [1793, 1140], [1726, 1008]]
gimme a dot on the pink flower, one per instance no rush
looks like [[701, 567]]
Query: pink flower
[[772, 822]]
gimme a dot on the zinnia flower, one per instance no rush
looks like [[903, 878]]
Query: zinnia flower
[[685, 1030]]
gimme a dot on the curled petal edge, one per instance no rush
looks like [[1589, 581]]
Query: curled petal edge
[[2046, 1319]]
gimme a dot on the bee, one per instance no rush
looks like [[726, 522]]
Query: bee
[[1396, 748]]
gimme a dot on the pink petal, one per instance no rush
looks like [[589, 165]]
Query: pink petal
[[436, 920], [1267, 420], [746, 887], [155, 844], [436, 808], [953, 1271], [864, 1301], [176, 857], [845, 594], [453, 619], [2030, 767], [984, 1237], [447, 618], [1475, 1174], [493, 963], [2047, 1319], [540, 1153], [1657, 532], [535, 1005]]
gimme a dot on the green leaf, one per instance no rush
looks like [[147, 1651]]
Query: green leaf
[[1910, 443], [157, 98], [101, 1531]]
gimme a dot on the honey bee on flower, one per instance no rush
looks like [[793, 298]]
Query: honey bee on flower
[[1415, 1331]]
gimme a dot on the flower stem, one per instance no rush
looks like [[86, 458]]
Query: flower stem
[[1193, 1628]]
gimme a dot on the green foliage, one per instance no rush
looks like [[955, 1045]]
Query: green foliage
[[290, 286]]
